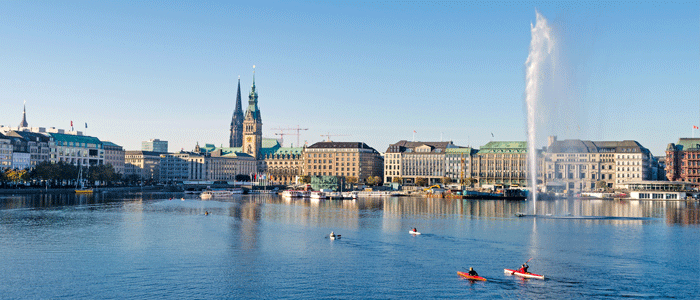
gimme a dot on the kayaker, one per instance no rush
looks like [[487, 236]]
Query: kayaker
[[332, 234], [415, 230], [524, 268], [472, 272]]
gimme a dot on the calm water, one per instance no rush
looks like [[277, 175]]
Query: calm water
[[146, 246]]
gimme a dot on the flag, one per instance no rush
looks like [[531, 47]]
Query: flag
[[695, 127], [85, 124], [491, 134], [414, 131], [71, 123]]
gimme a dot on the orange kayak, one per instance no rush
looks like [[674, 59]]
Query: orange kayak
[[467, 276]]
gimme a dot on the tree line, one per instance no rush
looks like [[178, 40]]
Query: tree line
[[59, 174]]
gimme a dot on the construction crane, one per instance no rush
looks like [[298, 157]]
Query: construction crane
[[328, 136], [298, 129]]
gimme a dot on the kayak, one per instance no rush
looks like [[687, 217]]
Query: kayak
[[467, 276], [335, 237], [413, 232], [524, 275]]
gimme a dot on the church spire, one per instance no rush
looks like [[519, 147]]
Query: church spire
[[236, 139], [24, 116], [253, 110]]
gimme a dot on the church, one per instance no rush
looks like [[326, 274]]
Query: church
[[280, 165]]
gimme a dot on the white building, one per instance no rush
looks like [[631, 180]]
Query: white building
[[79, 150], [5, 152], [409, 161]]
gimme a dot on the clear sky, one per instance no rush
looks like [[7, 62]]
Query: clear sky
[[372, 71]]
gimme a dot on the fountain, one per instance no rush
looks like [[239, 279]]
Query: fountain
[[537, 66]]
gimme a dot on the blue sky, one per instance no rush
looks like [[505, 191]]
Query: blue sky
[[372, 71]]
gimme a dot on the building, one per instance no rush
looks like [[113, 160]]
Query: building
[[252, 125], [406, 161], [5, 152], [78, 149], [23, 123], [114, 155], [501, 163], [217, 165], [581, 165], [39, 145], [458, 165], [283, 165], [342, 159], [145, 165], [20, 159], [683, 160], [155, 145], [236, 139]]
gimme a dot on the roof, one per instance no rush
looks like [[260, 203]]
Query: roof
[[583, 146], [686, 144], [403, 145], [504, 147], [340, 145], [459, 150], [61, 137], [29, 136], [144, 153]]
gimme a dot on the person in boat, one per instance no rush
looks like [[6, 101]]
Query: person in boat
[[415, 230], [524, 268], [332, 234], [472, 272]]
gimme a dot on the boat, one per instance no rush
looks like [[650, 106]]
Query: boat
[[413, 232], [81, 189], [522, 274], [467, 276], [318, 195], [291, 194], [216, 194]]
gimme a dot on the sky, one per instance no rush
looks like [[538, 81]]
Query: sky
[[363, 71]]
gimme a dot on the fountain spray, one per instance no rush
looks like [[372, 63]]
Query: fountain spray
[[541, 46]]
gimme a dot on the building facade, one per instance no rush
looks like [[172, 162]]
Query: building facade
[[39, 145], [114, 155], [155, 145], [342, 159], [501, 163], [145, 165], [283, 165], [407, 161], [581, 165], [683, 160], [458, 165], [5, 152], [79, 150]]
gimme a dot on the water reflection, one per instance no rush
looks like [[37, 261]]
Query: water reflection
[[252, 208]]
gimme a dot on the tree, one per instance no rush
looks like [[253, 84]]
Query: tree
[[351, 179], [397, 180], [446, 180], [421, 181], [370, 180], [378, 180], [305, 179]]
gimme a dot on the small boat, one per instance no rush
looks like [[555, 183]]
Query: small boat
[[519, 214], [413, 232], [524, 275], [467, 276], [334, 237], [215, 194], [318, 195]]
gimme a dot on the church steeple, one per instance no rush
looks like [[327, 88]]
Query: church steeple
[[236, 139], [24, 116]]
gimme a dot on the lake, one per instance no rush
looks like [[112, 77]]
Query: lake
[[144, 245]]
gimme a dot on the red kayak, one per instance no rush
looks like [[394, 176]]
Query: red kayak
[[467, 276], [523, 274]]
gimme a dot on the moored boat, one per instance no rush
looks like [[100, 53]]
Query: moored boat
[[216, 194], [318, 195], [522, 274], [467, 276]]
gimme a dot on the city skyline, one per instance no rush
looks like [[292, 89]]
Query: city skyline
[[375, 72]]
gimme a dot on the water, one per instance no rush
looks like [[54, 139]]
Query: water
[[146, 246]]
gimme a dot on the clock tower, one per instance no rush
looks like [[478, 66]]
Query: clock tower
[[252, 124]]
